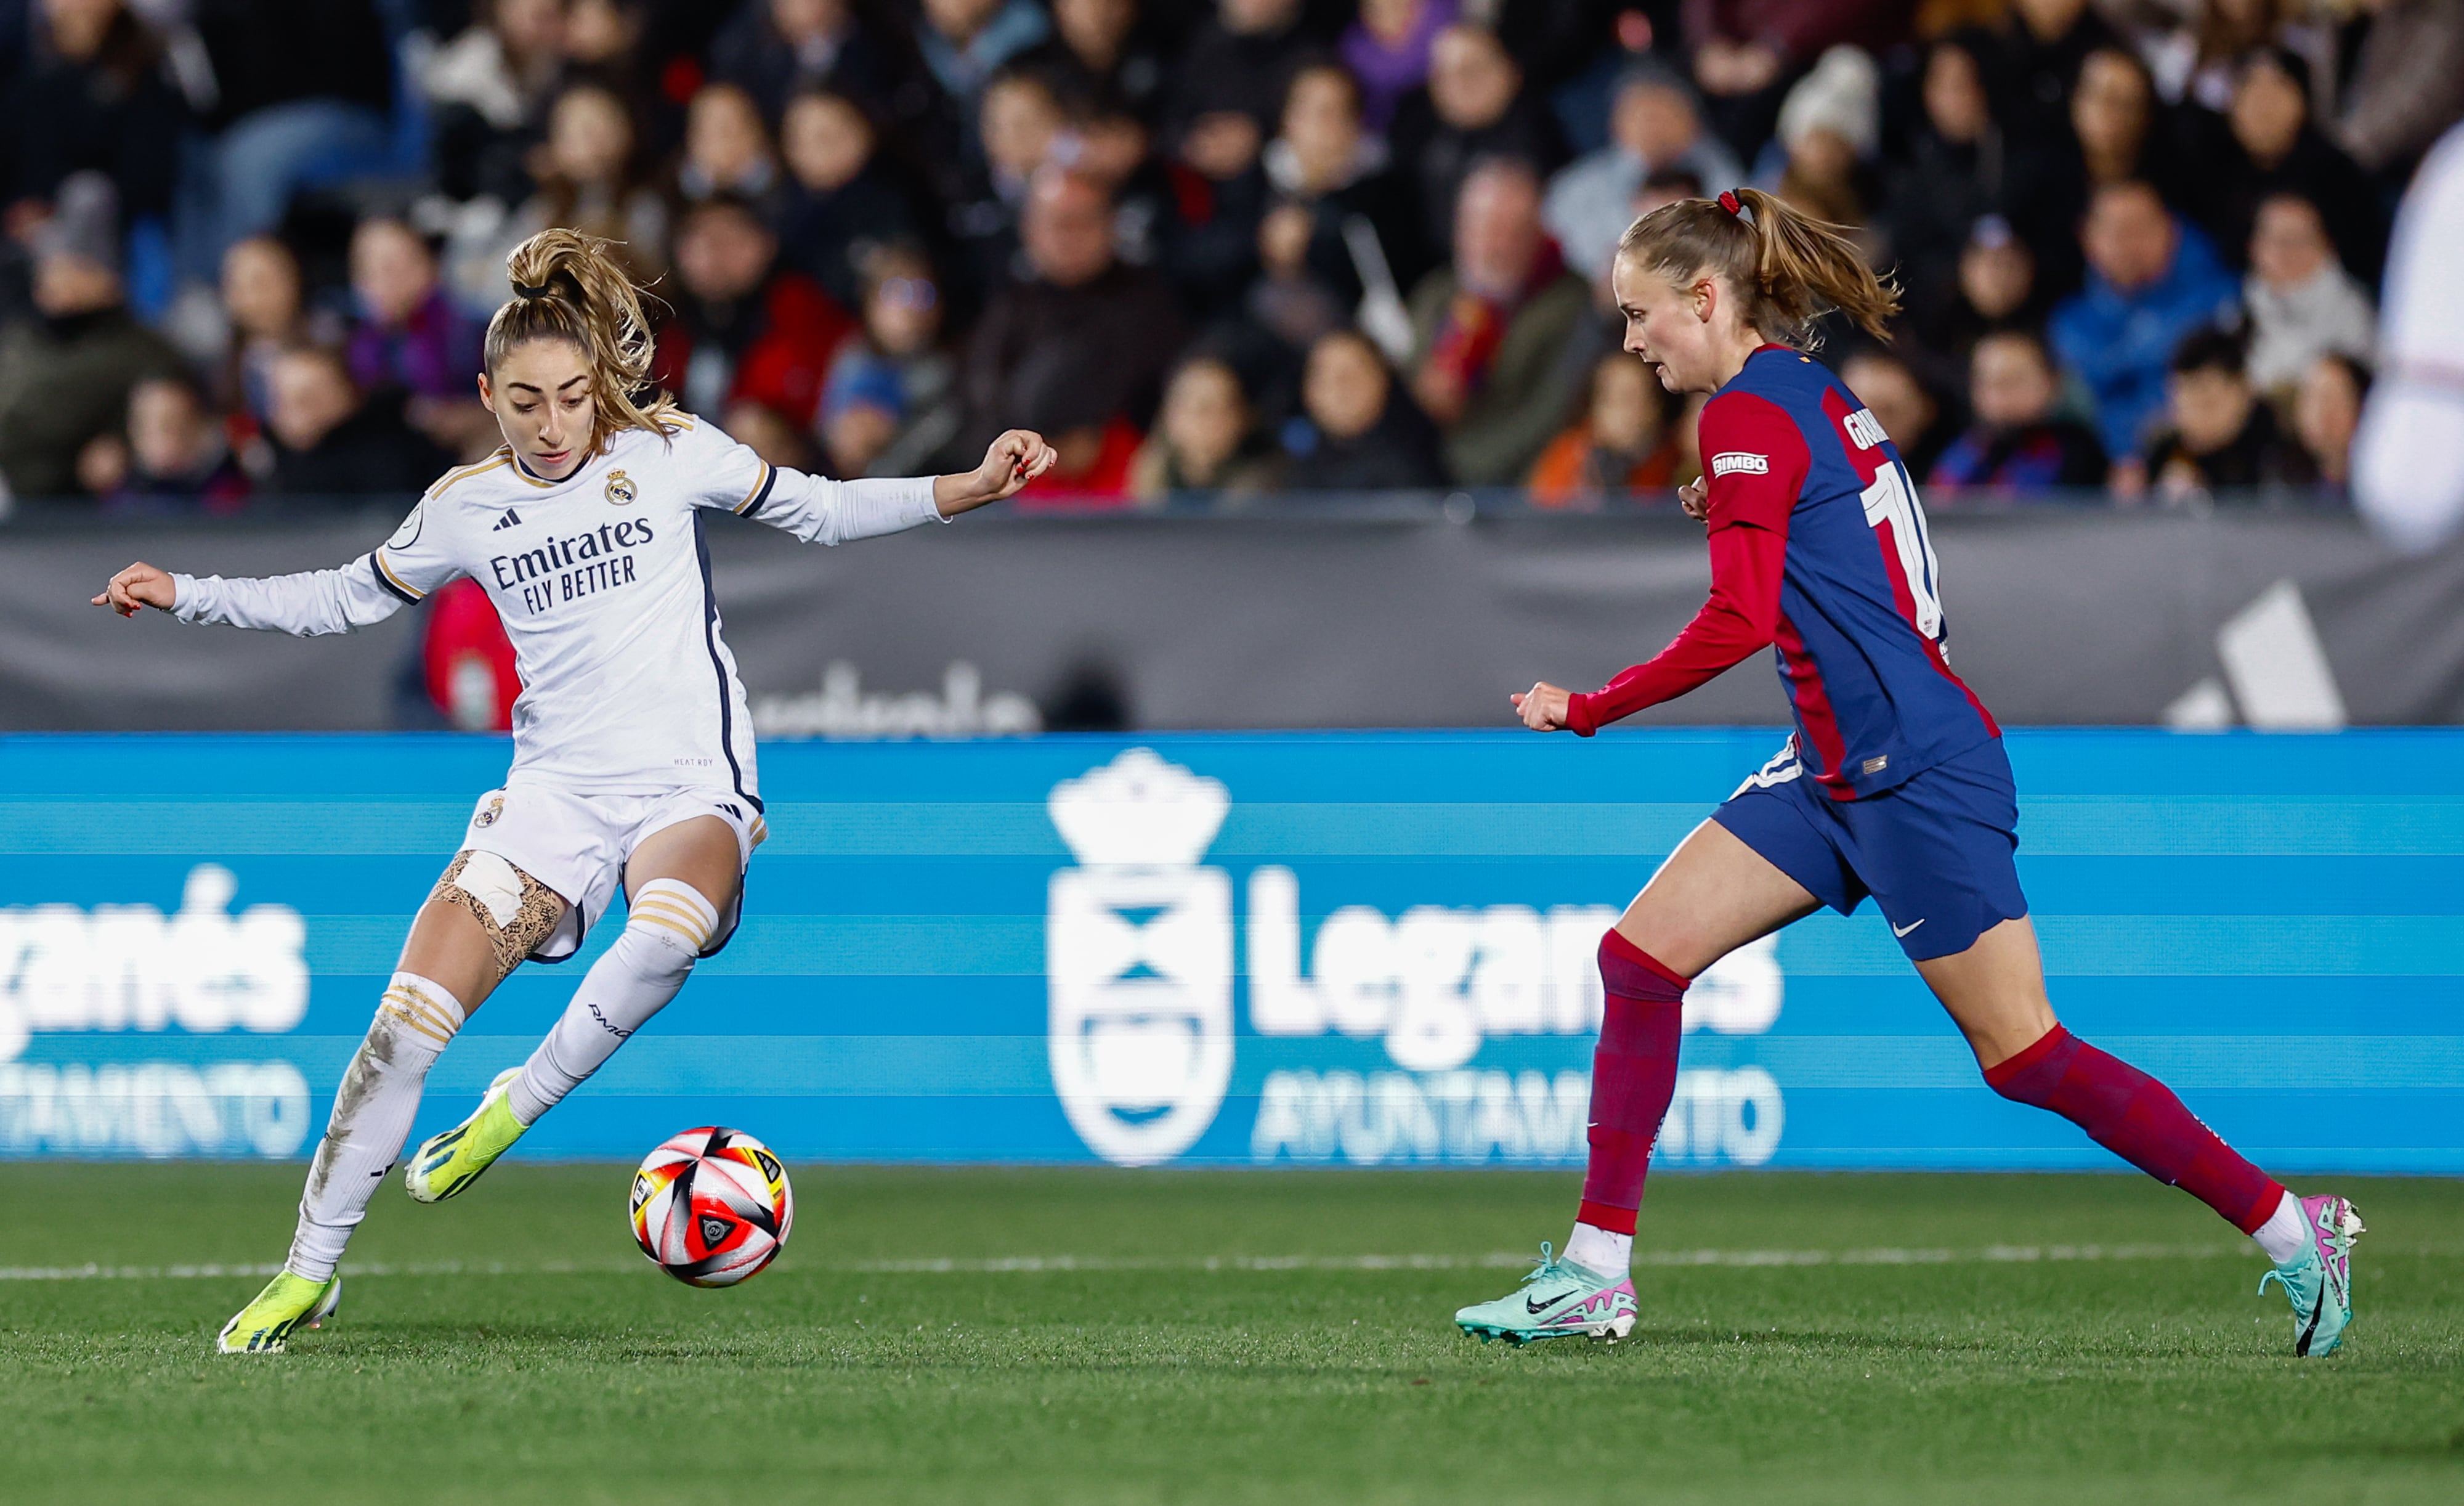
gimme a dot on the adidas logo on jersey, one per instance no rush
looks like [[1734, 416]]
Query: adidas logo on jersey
[[511, 519]]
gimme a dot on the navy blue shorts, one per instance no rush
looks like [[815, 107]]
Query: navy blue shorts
[[1935, 851]]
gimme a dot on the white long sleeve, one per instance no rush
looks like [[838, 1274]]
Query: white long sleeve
[[307, 605], [818, 510], [2409, 457]]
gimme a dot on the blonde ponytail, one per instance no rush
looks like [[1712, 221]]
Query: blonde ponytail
[[1789, 267], [571, 287]]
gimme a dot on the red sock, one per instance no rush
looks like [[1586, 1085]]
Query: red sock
[[2138, 1118], [1633, 1074]]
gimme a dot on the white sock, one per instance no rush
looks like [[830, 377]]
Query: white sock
[[372, 1113], [2286, 1233], [1601, 1250], [668, 924]]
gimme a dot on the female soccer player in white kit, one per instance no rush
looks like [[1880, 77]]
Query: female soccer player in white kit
[[633, 751]]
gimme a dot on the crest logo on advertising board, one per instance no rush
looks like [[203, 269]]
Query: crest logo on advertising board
[[1138, 954]]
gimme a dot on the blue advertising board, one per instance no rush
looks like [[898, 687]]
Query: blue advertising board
[[1349, 949]]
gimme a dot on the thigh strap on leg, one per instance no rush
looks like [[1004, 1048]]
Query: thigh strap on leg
[[515, 910]]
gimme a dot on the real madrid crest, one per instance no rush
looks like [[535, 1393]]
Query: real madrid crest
[[620, 489], [488, 817]]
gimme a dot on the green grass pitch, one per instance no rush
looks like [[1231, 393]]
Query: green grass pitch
[[951, 1335]]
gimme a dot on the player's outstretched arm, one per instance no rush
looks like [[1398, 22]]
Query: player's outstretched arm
[[306, 605], [1016, 458]]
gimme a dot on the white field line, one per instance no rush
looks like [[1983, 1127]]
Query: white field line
[[1729, 1259], [1503, 1260]]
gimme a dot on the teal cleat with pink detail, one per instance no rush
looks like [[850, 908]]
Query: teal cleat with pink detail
[[1559, 1300], [2320, 1281]]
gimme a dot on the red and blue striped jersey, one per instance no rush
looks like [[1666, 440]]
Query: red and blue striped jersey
[[1819, 550]]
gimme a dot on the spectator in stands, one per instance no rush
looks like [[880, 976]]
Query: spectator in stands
[[1020, 124], [587, 179], [486, 89], [1360, 434], [1487, 331], [410, 337], [66, 368], [2219, 436], [966, 42], [776, 50], [1909, 414], [2408, 84], [1387, 48], [727, 152], [1101, 52], [329, 439], [262, 296], [1473, 108], [92, 97], [2302, 304], [1351, 217], [838, 205], [2118, 123], [302, 95], [2328, 414], [1653, 127], [1233, 78], [175, 459], [2274, 149], [1994, 287], [1205, 439], [1829, 127], [2017, 443], [2034, 55], [745, 329], [891, 404], [1958, 167], [1620, 445], [1081, 339], [2151, 282], [1748, 52]]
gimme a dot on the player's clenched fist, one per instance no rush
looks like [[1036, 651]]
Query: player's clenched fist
[[1544, 707], [141, 584], [1016, 458]]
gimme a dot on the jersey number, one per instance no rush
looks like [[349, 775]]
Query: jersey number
[[1892, 500]]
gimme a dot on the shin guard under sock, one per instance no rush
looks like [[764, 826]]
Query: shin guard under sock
[[372, 1113], [669, 926], [1634, 1076], [2138, 1118]]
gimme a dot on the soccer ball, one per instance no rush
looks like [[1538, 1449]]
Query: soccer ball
[[712, 1205]]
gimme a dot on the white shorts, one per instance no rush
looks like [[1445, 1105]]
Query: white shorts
[[578, 845]]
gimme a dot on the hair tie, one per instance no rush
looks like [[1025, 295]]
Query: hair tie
[[1729, 202], [525, 290]]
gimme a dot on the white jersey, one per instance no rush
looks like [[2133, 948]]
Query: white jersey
[[2409, 457], [603, 587]]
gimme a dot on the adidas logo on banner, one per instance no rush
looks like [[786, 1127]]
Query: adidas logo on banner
[[511, 519]]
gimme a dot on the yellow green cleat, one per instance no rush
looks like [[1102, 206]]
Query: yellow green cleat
[[444, 1164], [287, 1305]]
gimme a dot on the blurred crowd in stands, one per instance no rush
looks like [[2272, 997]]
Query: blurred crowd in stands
[[1234, 247]]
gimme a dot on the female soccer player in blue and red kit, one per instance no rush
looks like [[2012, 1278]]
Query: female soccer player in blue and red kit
[[1895, 784]]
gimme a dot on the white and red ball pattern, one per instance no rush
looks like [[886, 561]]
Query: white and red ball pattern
[[712, 1205]]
